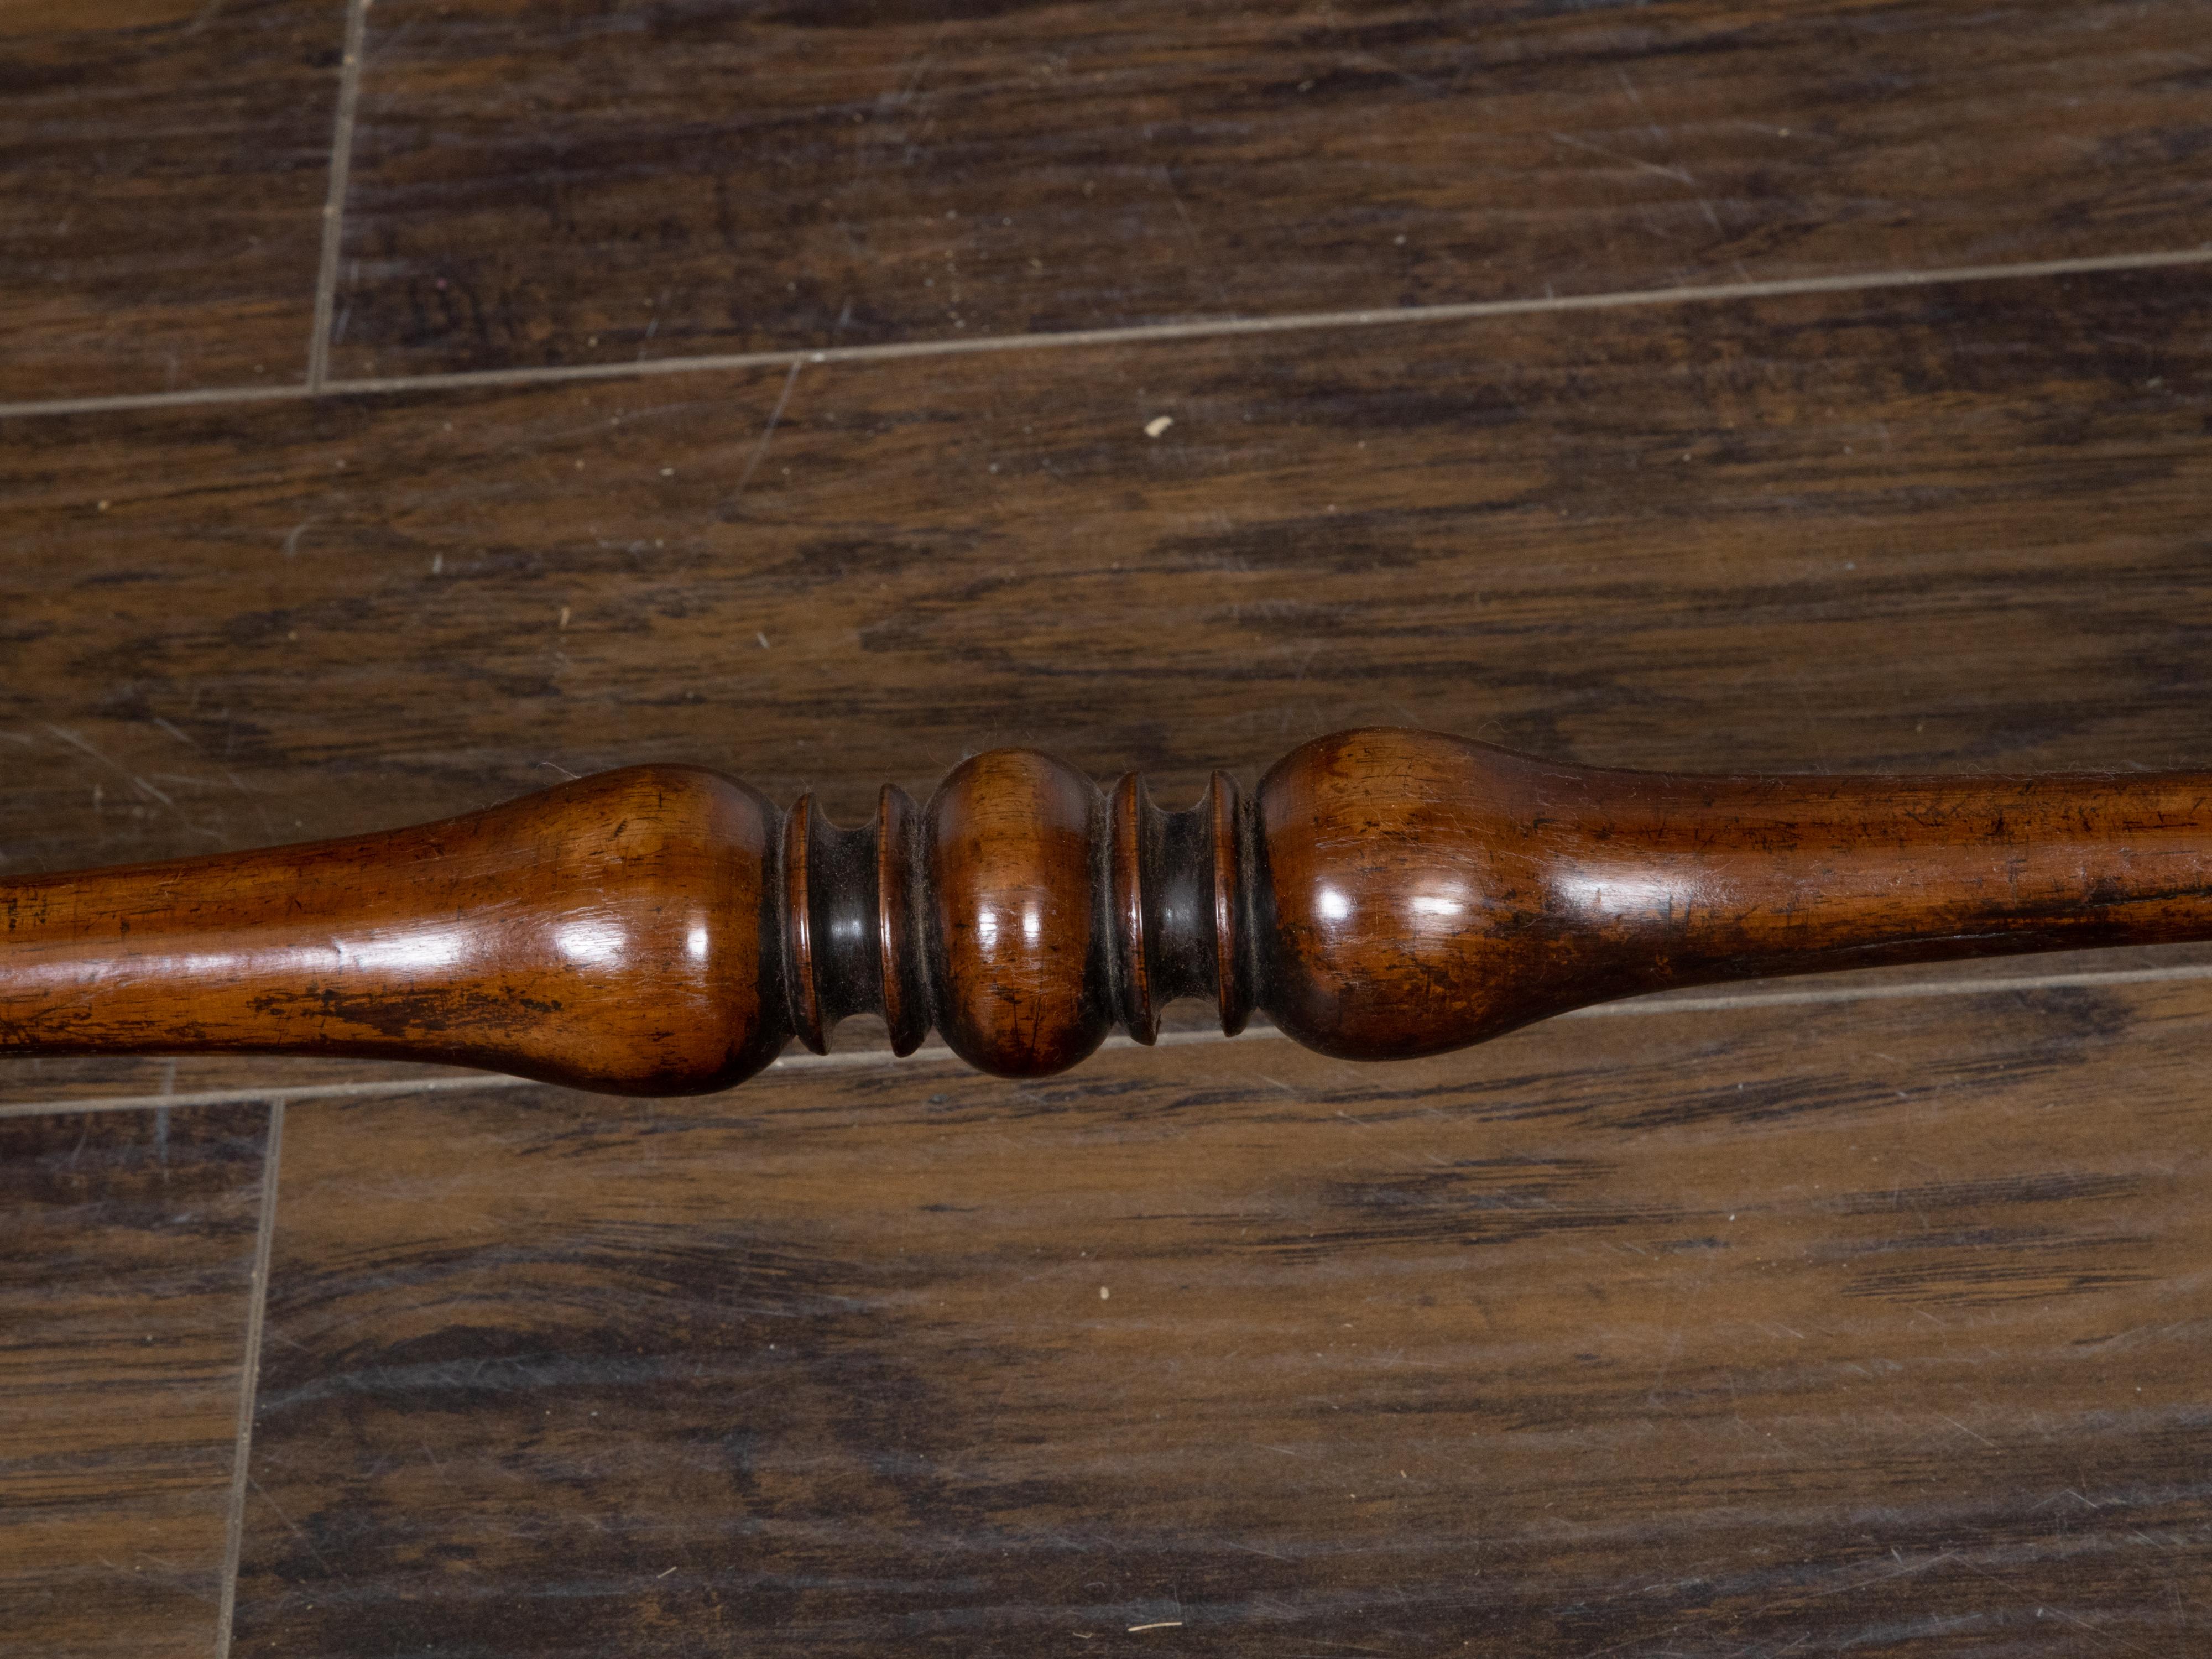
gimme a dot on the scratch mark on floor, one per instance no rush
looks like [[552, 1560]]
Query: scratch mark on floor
[[1675, 174], [125, 772], [767, 437]]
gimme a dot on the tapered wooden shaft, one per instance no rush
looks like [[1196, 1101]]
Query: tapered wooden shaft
[[1386, 893]]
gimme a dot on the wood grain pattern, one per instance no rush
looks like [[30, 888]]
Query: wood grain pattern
[[167, 162], [1917, 530], [126, 1251], [574, 183], [1892, 1404], [1914, 531], [1854, 1328]]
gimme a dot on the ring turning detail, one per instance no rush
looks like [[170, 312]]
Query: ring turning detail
[[1384, 893]]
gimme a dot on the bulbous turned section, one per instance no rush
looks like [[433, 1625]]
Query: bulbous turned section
[[1410, 898], [1420, 892], [615, 933], [1018, 953]]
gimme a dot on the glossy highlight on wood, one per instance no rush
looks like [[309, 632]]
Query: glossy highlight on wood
[[1385, 894], [615, 933]]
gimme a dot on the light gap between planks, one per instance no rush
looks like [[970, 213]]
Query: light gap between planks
[[1135, 334], [256, 1311], [1663, 1003], [326, 268]]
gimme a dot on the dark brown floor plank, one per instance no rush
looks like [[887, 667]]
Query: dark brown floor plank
[[1960, 526], [1952, 527], [126, 1254], [573, 182], [1854, 1328], [167, 162]]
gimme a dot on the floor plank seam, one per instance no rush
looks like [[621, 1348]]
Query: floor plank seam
[[326, 270], [233, 1534], [934, 1053], [1140, 334], [281, 1096]]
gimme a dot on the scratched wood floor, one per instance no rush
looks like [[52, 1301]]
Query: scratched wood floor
[[403, 404]]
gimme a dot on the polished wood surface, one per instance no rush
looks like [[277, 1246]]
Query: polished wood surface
[[1389, 893], [1422, 893], [616, 933], [1022, 966], [1898, 527]]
